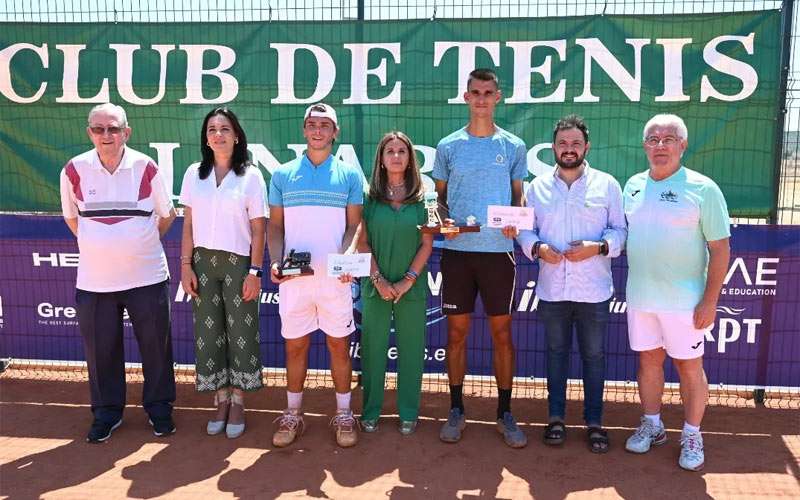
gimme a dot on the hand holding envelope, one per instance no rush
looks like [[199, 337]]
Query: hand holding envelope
[[348, 266], [510, 219]]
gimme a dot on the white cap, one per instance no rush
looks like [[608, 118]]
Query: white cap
[[321, 110]]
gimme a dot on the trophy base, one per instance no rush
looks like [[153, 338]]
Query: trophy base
[[295, 271], [438, 229]]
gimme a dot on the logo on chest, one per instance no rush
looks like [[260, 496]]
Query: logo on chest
[[499, 160], [669, 196]]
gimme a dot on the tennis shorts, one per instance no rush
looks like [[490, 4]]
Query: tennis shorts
[[312, 303], [467, 274], [672, 331]]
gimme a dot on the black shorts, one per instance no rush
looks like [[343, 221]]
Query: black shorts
[[465, 274]]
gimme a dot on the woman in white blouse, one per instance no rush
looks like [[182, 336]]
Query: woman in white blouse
[[221, 255]]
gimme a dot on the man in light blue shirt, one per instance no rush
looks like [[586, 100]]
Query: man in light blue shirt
[[579, 226], [477, 166], [678, 253]]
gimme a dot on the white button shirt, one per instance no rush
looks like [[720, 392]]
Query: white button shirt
[[221, 214], [590, 209]]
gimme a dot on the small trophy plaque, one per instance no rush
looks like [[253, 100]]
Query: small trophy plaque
[[435, 224], [296, 264]]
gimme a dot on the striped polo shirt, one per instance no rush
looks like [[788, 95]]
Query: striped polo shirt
[[117, 215], [314, 200]]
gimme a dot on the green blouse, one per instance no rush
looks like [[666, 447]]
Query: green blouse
[[395, 239]]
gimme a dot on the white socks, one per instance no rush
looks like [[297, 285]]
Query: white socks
[[343, 401], [687, 428], [654, 419], [294, 400]]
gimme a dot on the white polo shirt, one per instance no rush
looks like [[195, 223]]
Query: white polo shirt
[[118, 235], [221, 214]]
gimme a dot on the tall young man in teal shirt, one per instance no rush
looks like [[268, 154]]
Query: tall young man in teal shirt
[[477, 166], [678, 253]]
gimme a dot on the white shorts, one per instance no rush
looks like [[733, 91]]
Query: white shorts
[[673, 331], [309, 303]]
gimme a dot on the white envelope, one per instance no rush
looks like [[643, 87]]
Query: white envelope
[[499, 216], [356, 264]]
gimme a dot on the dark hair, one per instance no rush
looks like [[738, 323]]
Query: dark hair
[[379, 180], [569, 122], [484, 75], [240, 159]]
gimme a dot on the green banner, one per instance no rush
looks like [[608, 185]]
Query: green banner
[[720, 72]]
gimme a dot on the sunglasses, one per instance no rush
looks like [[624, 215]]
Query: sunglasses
[[103, 130]]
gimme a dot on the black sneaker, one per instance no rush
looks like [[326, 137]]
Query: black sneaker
[[101, 431], [162, 426]]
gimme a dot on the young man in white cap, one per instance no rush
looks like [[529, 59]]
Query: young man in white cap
[[315, 204]]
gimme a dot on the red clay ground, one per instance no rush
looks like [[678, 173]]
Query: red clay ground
[[750, 452]]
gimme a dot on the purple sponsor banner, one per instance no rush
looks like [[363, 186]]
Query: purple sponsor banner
[[755, 340]]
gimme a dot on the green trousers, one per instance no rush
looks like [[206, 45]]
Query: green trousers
[[409, 323], [227, 352]]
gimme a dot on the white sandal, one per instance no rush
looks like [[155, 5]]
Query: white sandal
[[233, 431], [214, 427]]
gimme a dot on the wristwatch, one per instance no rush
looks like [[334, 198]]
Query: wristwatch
[[603, 247], [256, 271], [535, 249]]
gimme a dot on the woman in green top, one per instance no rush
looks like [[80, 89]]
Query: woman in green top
[[392, 212]]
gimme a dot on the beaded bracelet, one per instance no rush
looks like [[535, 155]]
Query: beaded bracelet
[[411, 275]]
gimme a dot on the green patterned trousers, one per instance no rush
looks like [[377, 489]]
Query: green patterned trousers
[[225, 326]]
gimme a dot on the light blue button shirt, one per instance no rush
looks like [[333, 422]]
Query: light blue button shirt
[[590, 209]]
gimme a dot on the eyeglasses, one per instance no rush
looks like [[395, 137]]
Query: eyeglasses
[[654, 141], [103, 130]]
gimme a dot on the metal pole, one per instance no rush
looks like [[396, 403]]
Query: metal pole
[[786, 48], [762, 362]]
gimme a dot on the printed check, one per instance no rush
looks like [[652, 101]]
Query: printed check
[[499, 216], [356, 264]]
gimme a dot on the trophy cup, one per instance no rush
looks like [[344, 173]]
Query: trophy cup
[[295, 264], [435, 224]]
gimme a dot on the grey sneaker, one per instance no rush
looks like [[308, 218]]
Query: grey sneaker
[[407, 427], [512, 434], [369, 425], [645, 436], [451, 430], [692, 457]]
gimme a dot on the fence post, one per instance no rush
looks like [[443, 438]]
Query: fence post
[[787, 10]]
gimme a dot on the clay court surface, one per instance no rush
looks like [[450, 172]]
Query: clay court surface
[[750, 452]]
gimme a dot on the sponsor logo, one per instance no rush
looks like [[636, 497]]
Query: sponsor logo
[[635, 192], [54, 315], [697, 345], [449, 306], [266, 297], [729, 329], [499, 160], [759, 279], [669, 196], [55, 259]]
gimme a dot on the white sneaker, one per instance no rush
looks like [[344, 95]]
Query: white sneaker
[[692, 457], [645, 436]]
